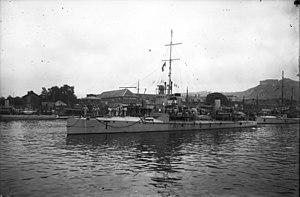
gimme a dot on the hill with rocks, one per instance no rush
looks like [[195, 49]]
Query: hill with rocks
[[267, 89], [271, 89]]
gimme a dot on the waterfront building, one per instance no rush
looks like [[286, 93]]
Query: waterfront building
[[32, 101], [146, 100], [59, 103], [47, 107], [91, 99], [232, 98], [118, 97], [210, 98]]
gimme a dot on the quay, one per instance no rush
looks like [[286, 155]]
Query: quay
[[6, 117]]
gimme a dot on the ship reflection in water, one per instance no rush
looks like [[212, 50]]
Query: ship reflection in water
[[38, 159]]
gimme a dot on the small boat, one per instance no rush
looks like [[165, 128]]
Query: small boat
[[276, 120], [29, 112], [66, 117]]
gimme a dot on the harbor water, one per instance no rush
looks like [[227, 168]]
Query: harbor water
[[37, 158]]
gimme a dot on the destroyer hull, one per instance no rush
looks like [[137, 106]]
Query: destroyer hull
[[96, 126]]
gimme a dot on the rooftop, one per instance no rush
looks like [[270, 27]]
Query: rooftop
[[116, 93]]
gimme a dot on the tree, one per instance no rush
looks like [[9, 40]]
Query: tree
[[53, 94], [2, 100], [67, 94], [64, 93], [10, 99], [18, 101], [44, 94]]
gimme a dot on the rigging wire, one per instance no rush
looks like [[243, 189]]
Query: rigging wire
[[186, 76], [192, 69], [157, 68], [192, 72], [159, 79]]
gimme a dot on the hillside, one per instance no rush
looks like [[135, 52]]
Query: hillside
[[270, 89], [267, 89]]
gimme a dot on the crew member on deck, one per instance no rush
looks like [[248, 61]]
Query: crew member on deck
[[85, 110]]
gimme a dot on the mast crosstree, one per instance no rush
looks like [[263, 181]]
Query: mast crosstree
[[170, 85]]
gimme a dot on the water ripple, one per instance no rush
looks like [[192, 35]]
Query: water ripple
[[38, 159]]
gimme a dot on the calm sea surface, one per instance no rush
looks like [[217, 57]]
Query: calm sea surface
[[37, 158]]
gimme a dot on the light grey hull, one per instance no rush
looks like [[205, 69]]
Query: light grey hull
[[95, 126]]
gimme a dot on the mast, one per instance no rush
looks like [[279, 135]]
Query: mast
[[282, 86], [292, 96], [257, 104], [187, 97], [297, 3], [170, 85]]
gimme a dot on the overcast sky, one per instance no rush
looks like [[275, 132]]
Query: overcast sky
[[98, 46]]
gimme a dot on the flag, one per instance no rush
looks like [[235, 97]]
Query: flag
[[163, 67]]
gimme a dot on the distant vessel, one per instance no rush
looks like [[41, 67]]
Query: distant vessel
[[159, 122], [276, 120], [279, 118]]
